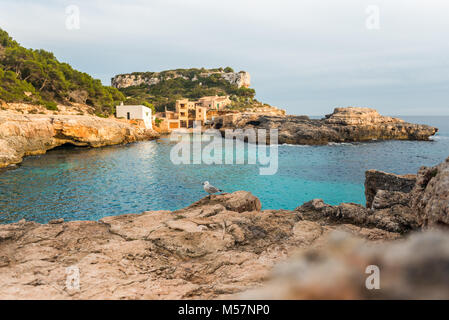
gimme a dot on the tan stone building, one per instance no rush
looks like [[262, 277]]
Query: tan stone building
[[215, 102], [187, 112], [168, 120]]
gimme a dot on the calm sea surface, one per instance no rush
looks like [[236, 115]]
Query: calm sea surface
[[88, 184]]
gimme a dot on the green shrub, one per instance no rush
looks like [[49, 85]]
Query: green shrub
[[50, 105]]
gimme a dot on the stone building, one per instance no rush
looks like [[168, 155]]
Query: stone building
[[188, 112], [135, 112]]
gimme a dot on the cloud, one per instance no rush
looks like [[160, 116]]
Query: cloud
[[307, 56]]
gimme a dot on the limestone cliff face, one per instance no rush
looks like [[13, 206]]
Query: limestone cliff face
[[343, 125], [31, 134], [241, 79]]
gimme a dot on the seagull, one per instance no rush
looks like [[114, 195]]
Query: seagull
[[210, 189]]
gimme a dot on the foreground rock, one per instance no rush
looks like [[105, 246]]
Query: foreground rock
[[343, 125], [430, 197], [397, 203], [30, 134], [397, 218], [216, 247], [224, 245], [389, 185], [414, 268], [421, 199]]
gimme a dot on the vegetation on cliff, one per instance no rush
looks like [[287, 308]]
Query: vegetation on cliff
[[36, 76], [170, 88]]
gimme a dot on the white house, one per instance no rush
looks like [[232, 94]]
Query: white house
[[135, 112]]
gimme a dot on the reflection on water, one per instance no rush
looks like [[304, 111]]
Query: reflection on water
[[80, 183]]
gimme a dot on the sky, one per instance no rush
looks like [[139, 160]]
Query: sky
[[307, 56]]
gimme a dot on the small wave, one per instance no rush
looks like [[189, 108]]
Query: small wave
[[436, 138], [295, 145], [340, 144]]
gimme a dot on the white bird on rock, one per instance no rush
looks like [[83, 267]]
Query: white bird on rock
[[210, 189]]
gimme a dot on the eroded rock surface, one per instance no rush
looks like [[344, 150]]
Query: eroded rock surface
[[219, 246], [418, 201], [350, 124], [397, 218], [430, 197], [379, 180], [30, 134]]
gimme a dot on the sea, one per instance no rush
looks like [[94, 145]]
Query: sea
[[88, 184]]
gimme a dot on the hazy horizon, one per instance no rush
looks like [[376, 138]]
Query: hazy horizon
[[306, 57]]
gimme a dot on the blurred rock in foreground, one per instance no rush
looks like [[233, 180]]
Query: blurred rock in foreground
[[412, 268]]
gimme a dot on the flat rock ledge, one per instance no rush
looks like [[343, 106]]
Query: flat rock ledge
[[219, 246], [31, 134], [352, 124]]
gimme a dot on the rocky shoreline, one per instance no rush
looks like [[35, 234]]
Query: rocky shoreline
[[350, 124], [31, 134], [226, 246]]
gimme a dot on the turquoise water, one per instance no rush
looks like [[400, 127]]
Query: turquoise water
[[88, 184]]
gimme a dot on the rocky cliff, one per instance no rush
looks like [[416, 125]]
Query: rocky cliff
[[430, 196], [343, 125], [389, 183], [223, 245], [241, 79], [422, 198], [396, 203], [30, 134]]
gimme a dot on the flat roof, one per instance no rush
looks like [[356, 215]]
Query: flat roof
[[132, 105]]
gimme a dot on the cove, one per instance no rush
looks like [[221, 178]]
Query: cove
[[88, 184]]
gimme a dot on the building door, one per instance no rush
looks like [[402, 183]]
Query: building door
[[128, 116]]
